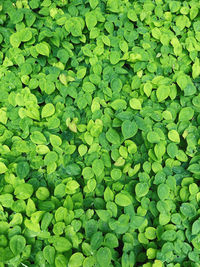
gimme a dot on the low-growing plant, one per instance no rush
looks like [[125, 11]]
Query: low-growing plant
[[99, 133]]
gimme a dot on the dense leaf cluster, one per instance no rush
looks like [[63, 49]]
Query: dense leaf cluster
[[99, 133]]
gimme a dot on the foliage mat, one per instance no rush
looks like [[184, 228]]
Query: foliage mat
[[99, 133]]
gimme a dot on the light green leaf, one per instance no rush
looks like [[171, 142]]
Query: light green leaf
[[196, 227], [148, 88], [82, 150], [174, 136], [141, 189], [15, 39], [163, 191], [118, 104], [3, 168], [129, 129], [186, 114], [91, 20], [104, 257], [122, 200], [23, 191], [116, 174], [196, 69], [162, 92], [26, 35], [76, 260], [48, 110], [135, 103], [49, 254], [153, 137], [61, 244], [98, 167], [38, 138], [114, 57], [93, 3], [188, 210], [132, 15], [113, 137], [43, 49], [17, 244]]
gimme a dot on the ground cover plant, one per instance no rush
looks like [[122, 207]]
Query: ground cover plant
[[99, 133]]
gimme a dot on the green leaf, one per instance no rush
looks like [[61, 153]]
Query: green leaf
[[15, 39], [196, 26], [26, 35], [132, 15], [141, 189], [113, 137], [96, 240], [3, 117], [104, 256], [122, 200], [60, 260], [60, 191], [150, 233], [61, 244], [162, 92], [111, 240], [104, 215], [88, 87], [73, 169], [38, 138], [42, 193], [55, 140], [50, 157], [116, 174], [3, 168], [174, 6], [48, 110], [135, 103], [193, 12], [23, 191], [196, 227], [196, 69], [63, 55], [153, 137], [23, 169], [82, 150], [148, 89], [129, 129], [72, 186], [174, 136], [118, 104], [43, 49], [6, 200], [91, 20], [98, 167], [93, 3], [172, 150], [108, 194], [17, 244], [163, 191], [76, 260], [188, 210], [194, 168], [169, 235], [182, 81], [114, 57], [42, 149], [181, 156], [186, 114], [190, 89], [49, 254]]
